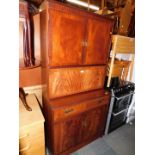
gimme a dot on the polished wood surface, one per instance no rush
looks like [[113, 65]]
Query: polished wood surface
[[61, 113], [95, 112], [31, 128], [74, 37], [93, 122], [73, 75], [67, 111], [66, 40], [36, 36], [44, 38], [21, 38], [98, 41], [80, 145], [68, 132], [67, 81], [76, 98], [30, 77], [78, 129]]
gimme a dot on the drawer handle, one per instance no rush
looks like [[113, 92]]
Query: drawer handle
[[24, 149], [68, 111], [26, 135]]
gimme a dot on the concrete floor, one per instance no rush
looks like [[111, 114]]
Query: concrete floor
[[118, 142]]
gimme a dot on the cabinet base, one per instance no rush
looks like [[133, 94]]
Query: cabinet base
[[73, 149]]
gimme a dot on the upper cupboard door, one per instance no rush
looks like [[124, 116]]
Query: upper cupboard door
[[98, 41], [66, 35]]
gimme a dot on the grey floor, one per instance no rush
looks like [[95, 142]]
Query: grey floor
[[119, 142]]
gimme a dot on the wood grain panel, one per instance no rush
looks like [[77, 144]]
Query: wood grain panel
[[77, 129], [67, 81], [21, 37], [64, 112], [66, 38], [67, 134], [36, 38], [93, 122], [44, 38], [30, 77], [122, 44], [76, 98], [98, 41], [67, 111], [70, 90]]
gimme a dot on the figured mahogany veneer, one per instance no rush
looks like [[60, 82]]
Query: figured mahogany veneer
[[67, 31], [61, 113], [76, 121], [97, 41], [78, 128], [74, 50], [67, 81], [74, 37]]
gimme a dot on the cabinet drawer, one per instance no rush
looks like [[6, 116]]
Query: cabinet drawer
[[67, 81], [67, 111], [24, 143], [95, 103], [70, 110], [31, 140]]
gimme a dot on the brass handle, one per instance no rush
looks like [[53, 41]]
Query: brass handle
[[83, 43], [68, 111], [86, 43]]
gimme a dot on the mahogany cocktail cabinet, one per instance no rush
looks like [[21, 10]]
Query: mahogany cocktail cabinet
[[74, 50]]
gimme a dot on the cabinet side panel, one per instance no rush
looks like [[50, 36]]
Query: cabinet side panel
[[44, 37]]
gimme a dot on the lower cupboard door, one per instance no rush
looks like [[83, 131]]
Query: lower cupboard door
[[68, 81], [67, 134], [93, 123]]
